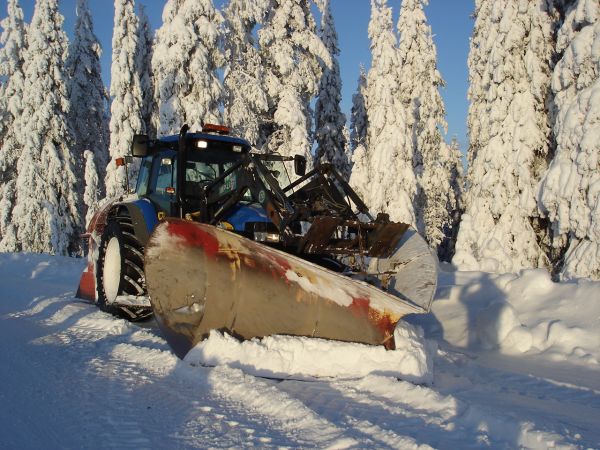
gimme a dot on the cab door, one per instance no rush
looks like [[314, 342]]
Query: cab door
[[163, 182]]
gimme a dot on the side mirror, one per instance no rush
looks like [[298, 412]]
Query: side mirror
[[300, 165], [139, 146]]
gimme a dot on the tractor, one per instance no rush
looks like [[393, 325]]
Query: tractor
[[219, 235]]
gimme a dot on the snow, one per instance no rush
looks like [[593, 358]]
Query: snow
[[569, 192], [308, 358], [119, 384], [329, 119], [246, 102], [126, 110], [388, 178], [186, 57], [45, 214], [13, 41], [434, 162], [293, 56], [88, 115], [510, 65], [520, 314]]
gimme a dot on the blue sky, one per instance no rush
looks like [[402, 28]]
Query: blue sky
[[450, 21]]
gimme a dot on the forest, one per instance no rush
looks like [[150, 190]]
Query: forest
[[529, 197]]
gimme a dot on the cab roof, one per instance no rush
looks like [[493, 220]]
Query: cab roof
[[206, 136]]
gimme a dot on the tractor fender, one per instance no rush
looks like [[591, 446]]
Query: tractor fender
[[144, 218]]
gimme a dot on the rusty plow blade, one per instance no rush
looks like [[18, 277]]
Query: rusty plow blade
[[201, 278]]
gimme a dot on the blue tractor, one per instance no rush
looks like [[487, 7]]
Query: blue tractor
[[217, 235]]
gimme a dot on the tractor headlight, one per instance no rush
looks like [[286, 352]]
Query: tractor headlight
[[264, 232], [263, 236]]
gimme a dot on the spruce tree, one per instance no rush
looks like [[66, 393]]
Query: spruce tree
[[291, 53], [144, 68], [125, 89], [246, 102], [187, 57], [358, 118], [454, 204], [420, 83], [14, 43], [569, 192], [359, 177], [91, 196], [46, 214], [510, 134], [89, 103], [330, 121], [392, 181]]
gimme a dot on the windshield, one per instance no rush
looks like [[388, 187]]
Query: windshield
[[206, 166], [279, 171]]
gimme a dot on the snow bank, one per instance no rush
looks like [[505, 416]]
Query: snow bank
[[518, 314], [309, 358]]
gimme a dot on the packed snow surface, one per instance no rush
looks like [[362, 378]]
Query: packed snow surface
[[74, 377]]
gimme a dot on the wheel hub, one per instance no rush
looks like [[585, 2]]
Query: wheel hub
[[111, 272]]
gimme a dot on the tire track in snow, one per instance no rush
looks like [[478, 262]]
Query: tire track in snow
[[200, 418], [571, 411], [413, 418], [140, 395], [455, 369], [277, 409], [413, 415]]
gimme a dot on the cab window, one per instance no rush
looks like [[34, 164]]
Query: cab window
[[163, 176], [144, 175]]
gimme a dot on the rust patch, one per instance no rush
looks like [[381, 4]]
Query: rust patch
[[266, 261], [384, 322], [279, 266], [195, 236], [360, 307]]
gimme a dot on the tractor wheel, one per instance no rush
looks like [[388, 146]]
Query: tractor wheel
[[120, 271]]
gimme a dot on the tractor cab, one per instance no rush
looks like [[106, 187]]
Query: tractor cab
[[212, 178]]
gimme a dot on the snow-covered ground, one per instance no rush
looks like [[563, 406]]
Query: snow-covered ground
[[515, 364]]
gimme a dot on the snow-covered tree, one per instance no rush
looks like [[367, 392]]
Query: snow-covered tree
[[358, 117], [392, 181], [510, 65], [91, 194], [187, 56], [359, 177], [12, 78], [14, 43], [89, 102], [46, 214], [143, 59], [330, 121], [126, 93], [569, 193], [420, 83], [455, 169], [246, 102], [292, 52]]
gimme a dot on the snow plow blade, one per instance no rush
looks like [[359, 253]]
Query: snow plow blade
[[202, 278]]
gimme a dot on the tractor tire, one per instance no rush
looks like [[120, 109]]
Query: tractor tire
[[120, 270]]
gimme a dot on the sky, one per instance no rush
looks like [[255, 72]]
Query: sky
[[450, 21]]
